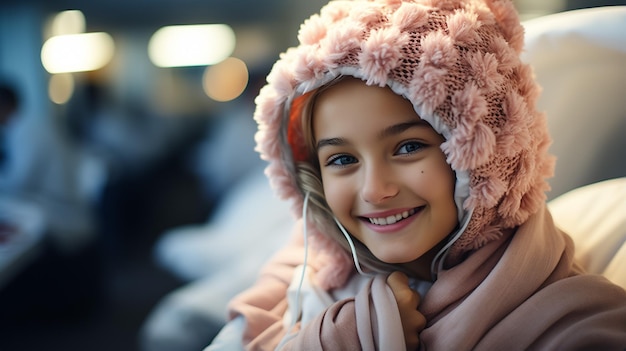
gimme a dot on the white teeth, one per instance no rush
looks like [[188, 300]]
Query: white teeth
[[392, 219]]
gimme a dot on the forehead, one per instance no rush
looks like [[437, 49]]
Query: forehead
[[353, 105], [353, 94]]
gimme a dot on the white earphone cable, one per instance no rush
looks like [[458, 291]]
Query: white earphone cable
[[296, 316], [352, 248], [437, 263]]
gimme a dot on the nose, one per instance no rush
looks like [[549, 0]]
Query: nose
[[378, 185]]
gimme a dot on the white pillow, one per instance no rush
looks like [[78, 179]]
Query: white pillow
[[595, 217]]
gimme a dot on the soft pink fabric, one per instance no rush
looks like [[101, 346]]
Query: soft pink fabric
[[522, 291], [367, 321]]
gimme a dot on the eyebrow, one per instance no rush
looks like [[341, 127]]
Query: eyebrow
[[330, 142], [389, 131], [402, 127]]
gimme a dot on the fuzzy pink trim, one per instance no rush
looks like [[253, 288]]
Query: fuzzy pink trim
[[381, 53], [484, 67], [367, 13], [428, 88], [336, 264], [313, 30], [336, 10], [340, 40], [462, 26], [506, 15], [410, 16], [438, 50], [486, 193], [507, 57]]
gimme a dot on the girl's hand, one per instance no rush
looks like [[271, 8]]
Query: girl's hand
[[413, 322]]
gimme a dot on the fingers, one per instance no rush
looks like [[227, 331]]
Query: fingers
[[408, 300], [413, 322], [419, 321], [397, 278], [405, 296]]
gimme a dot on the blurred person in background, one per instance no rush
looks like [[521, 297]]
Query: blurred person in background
[[8, 107], [42, 167], [41, 173]]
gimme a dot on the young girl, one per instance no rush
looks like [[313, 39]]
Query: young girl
[[405, 134]]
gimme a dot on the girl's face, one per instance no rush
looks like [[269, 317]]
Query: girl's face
[[385, 177]]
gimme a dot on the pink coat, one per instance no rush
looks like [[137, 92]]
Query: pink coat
[[522, 291]]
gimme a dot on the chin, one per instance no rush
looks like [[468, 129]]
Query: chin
[[397, 259]]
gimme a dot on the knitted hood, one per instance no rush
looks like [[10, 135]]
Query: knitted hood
[[458, 63]]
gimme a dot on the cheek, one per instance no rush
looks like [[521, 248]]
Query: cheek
[[443, 171], [446, 182], [437, 181], [337, 196]]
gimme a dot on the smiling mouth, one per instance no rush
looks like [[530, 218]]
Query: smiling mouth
[[394, 218]]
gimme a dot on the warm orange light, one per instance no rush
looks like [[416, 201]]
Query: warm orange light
[[226, 80], [61, 88]]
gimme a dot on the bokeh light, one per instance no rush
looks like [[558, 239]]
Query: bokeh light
[[61, 88], [67, 22], [226, 80], [191, 45], [77, 52]]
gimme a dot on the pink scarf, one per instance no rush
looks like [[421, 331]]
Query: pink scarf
[[522, 291]]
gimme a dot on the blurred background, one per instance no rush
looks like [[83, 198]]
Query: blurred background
[[121, 120]]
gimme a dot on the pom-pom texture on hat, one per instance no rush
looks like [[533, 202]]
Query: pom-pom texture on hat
[[458, 63]]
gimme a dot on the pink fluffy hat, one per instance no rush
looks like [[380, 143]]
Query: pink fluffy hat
[[458, 63]]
